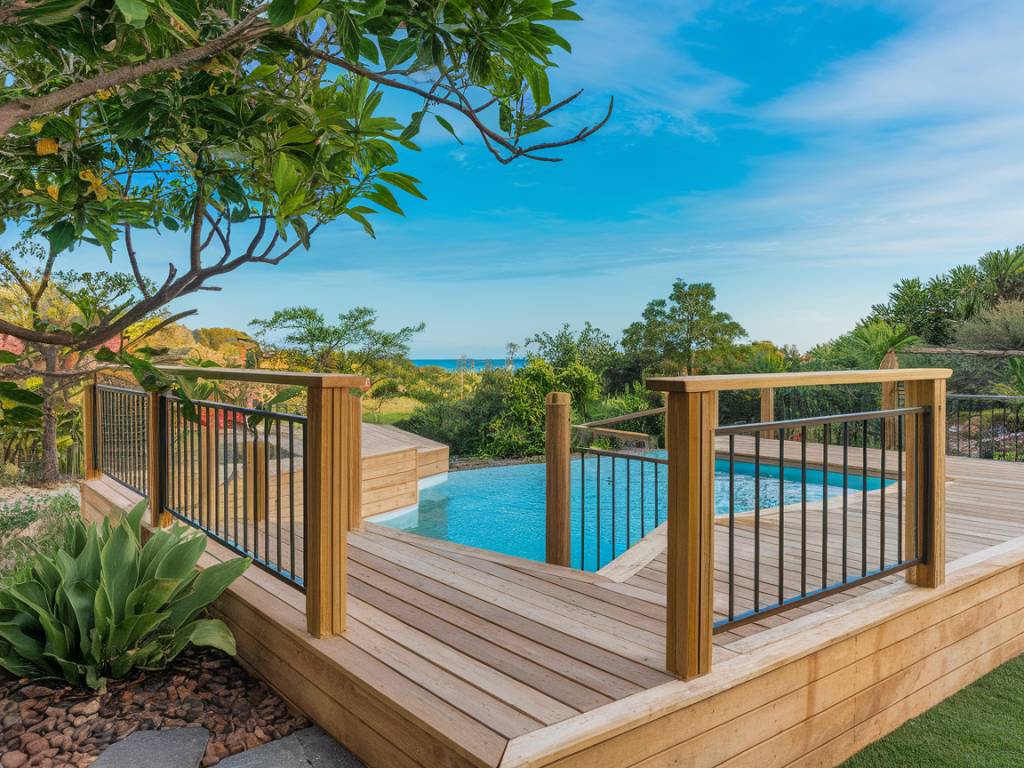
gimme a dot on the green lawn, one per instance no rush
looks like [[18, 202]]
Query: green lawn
[[982, 726]]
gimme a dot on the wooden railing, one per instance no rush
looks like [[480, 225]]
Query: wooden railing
[[691, 423], [330, 473]]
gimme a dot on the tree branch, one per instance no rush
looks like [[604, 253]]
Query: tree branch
[[12, 112]]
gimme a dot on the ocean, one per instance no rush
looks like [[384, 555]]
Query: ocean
[[472, 364]]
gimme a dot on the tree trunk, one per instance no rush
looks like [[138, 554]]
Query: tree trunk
[[49, 469]]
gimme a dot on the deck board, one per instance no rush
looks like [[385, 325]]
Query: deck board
[[464, 651]]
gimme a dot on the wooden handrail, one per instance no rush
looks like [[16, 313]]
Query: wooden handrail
[[261, 376], [799, 379]]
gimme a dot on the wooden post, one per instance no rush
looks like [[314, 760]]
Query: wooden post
[[925, 521], [355, 440], [255, 484], [890, 398], [691, 420], [768, 410], [156, 458], [90, 431], [331, 469], [557, 449]]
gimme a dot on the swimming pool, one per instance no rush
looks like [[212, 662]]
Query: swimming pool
[[502, 508]]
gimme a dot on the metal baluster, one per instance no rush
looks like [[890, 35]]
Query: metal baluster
[[597, 565], [881, 499], [824, 507], [782, 513], [614, 487], [234, 475], [583, 508], [277, 435], [803, 510], [291, 497], [629, 503], [846, 494], [266, 491], [732, 525], [864, 501], [899, 488], [643, 504], [757, 521]]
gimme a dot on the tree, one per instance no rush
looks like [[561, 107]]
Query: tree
[[245, 127], [1003, 273], [353, 345], [591, 347], [998, 327], [33, 298], [684, 329]]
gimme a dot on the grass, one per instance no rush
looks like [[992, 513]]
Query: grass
[[30, 524], [388, 411], [981, 726]]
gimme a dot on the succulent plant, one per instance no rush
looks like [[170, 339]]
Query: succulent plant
[[105, 603]]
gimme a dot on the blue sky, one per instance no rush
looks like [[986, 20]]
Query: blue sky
[[801, 156]]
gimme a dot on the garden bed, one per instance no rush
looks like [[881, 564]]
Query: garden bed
[[51, 724]]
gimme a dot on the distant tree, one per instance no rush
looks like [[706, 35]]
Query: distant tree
[[352, 345], [998, 327], [591, 347], [683, 330], [1003, 273]]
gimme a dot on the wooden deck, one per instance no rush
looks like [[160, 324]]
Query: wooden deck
[[455, 656]]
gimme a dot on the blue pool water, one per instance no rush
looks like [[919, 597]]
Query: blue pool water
[[502, 508]]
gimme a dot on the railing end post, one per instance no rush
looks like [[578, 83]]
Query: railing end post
[[558, 455], [156, 455]]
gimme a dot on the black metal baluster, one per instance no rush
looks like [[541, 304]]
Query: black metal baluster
[[247, 482], [643, 501], [732, 526], [864, 501], [629, 503], [613, 489], [597, 566], [881, 499], [824, 507], [899, 488], [277, 437], [266, 491], [291, 497], [583, 508], [846, 495], [757, 521], [234, 476], [782, 513], [803, 510]]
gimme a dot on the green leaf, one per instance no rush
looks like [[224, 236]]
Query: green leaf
[[447, 126], [287, 175], [281, 12], [61, 236], [135, 11], [383, 197], [8, 358], [403, 181]]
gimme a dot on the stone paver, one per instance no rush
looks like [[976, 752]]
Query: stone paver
[[173, 748], [308, 748]]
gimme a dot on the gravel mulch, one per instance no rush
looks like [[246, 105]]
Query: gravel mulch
[[46, 724]]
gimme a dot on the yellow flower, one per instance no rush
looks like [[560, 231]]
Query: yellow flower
[[176, 75], [95, 185], [103, 94], [46, 147], [36, 126], [53, 190], [26, 192]]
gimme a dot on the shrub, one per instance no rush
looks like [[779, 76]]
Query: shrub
[[31, 525], [104, 604], [10, 475]]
